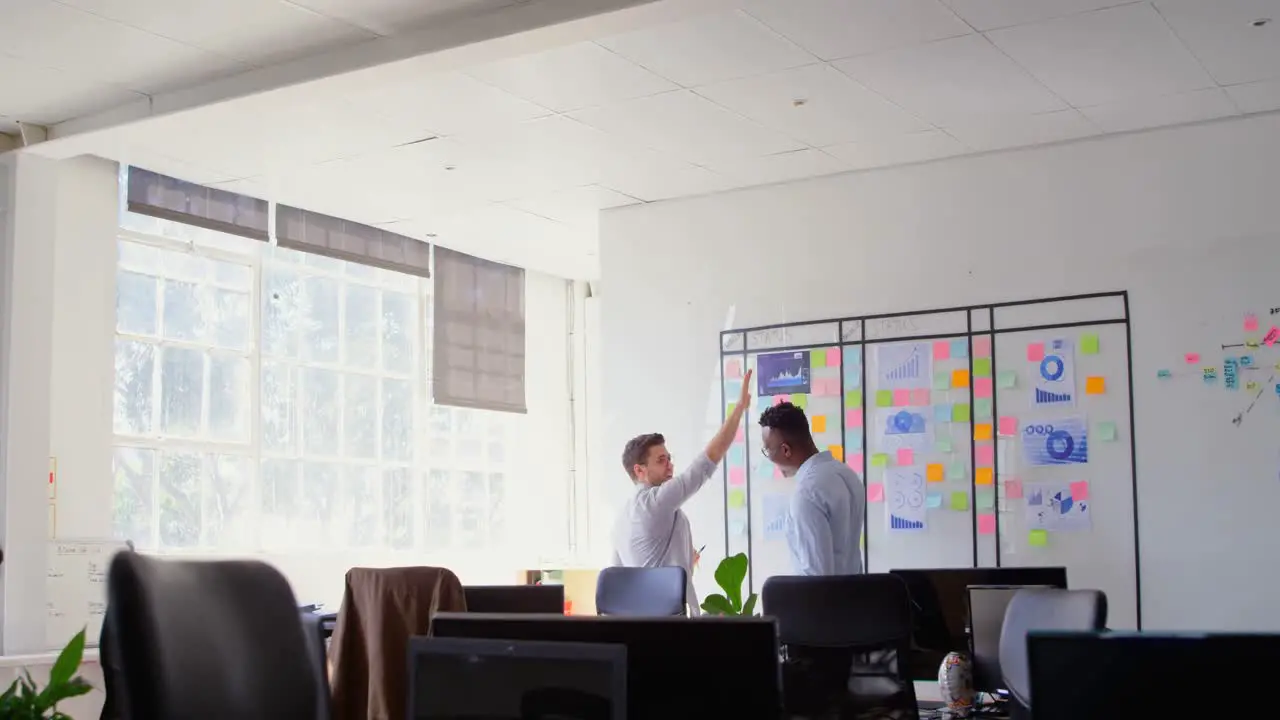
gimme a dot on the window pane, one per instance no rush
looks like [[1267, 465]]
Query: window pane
[[281, 312], [360, 416], [228, 397], [183, 315], [436, 510], [281, 503], [398, 496], [131, 519], [319, 500], [229, 319], [320, 398], [358, 510], [497, 507], [134, 392], [471, 523], [181, 391], [397, 420], [320, 336], [138, 257], [233, 275], [228, 504], [136, 303], [361, 341], [184, 265], [180, 500], [399, 322], [279, 407]]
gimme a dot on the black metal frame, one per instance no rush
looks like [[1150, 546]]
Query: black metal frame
[[992, 331]]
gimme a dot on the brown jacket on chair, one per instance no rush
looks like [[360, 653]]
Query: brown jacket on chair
[[381, 609]]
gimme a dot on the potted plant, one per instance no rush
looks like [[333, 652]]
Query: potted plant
[[25, 701], [730, 575]]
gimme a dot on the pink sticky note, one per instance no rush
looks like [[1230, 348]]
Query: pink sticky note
[[737, 476], [906, 456], [986, 524], [832, 387], [941, 350], [1251, 323], [777, 473], [982, 347], [1009, 426], [740, 435], [920, 397], [853, 418], [982, 387], [733, 369], [1272, 336], [1035, 352], [833, 357], [854, 461], [984, 455], [1193, 358], [901, 398], [1080, 490], [875, 492], [1013, 489]]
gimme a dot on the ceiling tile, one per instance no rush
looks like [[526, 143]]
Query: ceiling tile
[[782, 167], [917, 147], [1222, 36], [833, 29], [547, 153], [572, 77], [1256, 97], [392, 17], [836, 109], [41, 95], [441, 103], [1105, 56], [687, 126], [649, 175], [708, 49], [952, 81], [1166, 110], [1023, 130], [579, 207], [991, 14]]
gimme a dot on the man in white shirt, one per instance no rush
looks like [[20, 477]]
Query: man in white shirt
[[824, 527], [652, 530]]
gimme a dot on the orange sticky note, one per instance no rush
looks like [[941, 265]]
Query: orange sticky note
[[875, 492], [984, 476], [1095, 385], [837, 452], [1009, 426], [1013, 489], [819, 423], [906, 456], [986, 524], [982, 431], [960, 378], [934, 472]]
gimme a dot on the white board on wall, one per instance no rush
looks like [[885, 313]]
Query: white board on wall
[[76, 588]]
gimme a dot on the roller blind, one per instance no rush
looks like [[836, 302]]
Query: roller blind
[[334, 237], [172, 199]]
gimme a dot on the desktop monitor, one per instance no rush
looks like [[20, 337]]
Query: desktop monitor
[[1110, 676], [705, 667], [467, 679], [939, 606], [544, 599], [987, 604]]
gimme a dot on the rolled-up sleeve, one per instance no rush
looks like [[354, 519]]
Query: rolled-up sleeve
[[812, 552], [675, 492]]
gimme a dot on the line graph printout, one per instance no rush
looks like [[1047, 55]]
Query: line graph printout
[[782, 373], [903, 366]]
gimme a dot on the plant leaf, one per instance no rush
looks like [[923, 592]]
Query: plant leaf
[[729, 576], [749, 607], [68, 661], [717, 604], [74, 687]]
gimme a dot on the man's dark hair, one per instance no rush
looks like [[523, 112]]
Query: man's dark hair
[[637, 450], [790, 421]]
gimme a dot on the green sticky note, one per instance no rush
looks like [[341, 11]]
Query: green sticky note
[[1038, 538], [959, 500], [959, 412], [818, 358], [880, 460], [944, 445], [800, 401], [982, 367], [853, 399], [1105, 431], [955, 471], [732, 406], [737, 499], [884, 398], [982, 408], [1006, 379], [985, 498], [941, 380], [1089, 345]]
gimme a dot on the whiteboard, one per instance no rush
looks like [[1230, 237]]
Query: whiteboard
[[76, 588]]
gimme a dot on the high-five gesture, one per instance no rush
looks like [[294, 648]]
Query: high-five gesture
[[719, 444]]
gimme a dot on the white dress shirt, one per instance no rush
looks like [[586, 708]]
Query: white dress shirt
[[824, 527]]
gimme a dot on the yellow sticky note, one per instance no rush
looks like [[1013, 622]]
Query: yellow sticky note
[[1038, 538], [880, 460], [837, 452], [982, 431], [960, 378], [737, 498], [934, 472], [984, 476], [1095, 385], [819, 423], [959, 500]]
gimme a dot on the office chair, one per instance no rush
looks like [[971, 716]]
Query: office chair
[[641, 592], [313, 628], [1041, 609], [212, 640], [846, 640]]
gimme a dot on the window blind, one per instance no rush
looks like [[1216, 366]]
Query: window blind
[[479, 335], [172, 199], [334, 237]]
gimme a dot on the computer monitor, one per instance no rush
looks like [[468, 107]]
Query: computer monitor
[[987, 604], [457, 679], [1106, 676], [677, 668], [940, 608], [544, 599]]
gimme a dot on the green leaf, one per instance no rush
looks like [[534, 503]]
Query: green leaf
[[729, 576], [717, 604], [749, 607], [68, 661], [74, 687]]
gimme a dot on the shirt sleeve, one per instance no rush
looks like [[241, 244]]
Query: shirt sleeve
[[811, 542], [670, 495]]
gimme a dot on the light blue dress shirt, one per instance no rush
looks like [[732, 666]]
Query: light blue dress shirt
[[824, 527]]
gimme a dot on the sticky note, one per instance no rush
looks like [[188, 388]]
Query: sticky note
[[943, 445], [730, 408], [1080, 490], [1009, 426], [955, 471], [1251, 343], [779, 399], [879, 460], [982, 387], [817, 358], [1006, 379], [1251, 323], [941, 380], [853, 418], [982, 431], [901, 398], [960, 348], [960, 378], [833, 357], [959, 500], [837, 452], [933, 500], [984, 455], [985, 498], [737, 498], [935, 472], [1038, 538], [984, 476], [853, 440], [1105, 431], [819, 423], [906, 456], [884, 398], [981, 347], [737, 476], [1192, 358], [855, 461], [1013, 489], [1035, 352], [941, 350], [1089, 344], [960, 413], [875, 493], [1095, 385], [982, 367], [986, 524], [1163, 374], [853, 399], [1272, 336], [852, 376], [733, 369], [919, 397], [942, 413], [800, 401], [737, 455]]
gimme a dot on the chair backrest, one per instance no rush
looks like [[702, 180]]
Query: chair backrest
[[641, 592], [848, 611], [1042, 609], [313, 628], [208, 639], [540, 599]]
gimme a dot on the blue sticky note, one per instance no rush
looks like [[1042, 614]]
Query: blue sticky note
[[1277, 389], [853, 441], [959, 348], [933, 500], [736, 456], [852, 355], [942, 413], [852, 376], [733, 389]]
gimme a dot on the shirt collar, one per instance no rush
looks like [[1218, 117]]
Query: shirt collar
[[814, 459]]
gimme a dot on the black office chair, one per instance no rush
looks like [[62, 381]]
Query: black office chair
[[846, 640], [641, 592], [211, 640], [313, 629], [1041, 609]]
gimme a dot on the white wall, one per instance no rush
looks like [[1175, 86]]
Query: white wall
[[1141, 212]]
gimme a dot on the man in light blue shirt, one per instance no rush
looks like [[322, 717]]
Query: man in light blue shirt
[[824, 527]]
